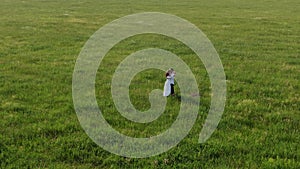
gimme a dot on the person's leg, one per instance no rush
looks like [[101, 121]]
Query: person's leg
[[172, 89]]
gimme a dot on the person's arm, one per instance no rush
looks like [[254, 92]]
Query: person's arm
[[168, 76]]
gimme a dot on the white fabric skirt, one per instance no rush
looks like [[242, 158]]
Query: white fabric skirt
[[167, 88]]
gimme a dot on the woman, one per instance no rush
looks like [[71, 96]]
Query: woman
[[169, 84]]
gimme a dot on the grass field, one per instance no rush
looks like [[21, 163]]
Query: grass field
[[258, 43]]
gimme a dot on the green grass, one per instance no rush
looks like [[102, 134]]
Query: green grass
[[258, 42]]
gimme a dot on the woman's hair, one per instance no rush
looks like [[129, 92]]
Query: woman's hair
[[170, 70]]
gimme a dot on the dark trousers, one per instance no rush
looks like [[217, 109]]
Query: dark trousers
[[172, 88]]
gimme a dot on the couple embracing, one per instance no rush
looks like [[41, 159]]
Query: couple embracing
[[169, 84]]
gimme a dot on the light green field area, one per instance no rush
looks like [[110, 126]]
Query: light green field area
[[258, 43]]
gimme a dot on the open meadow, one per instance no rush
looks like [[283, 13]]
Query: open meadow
[[258, 43]]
